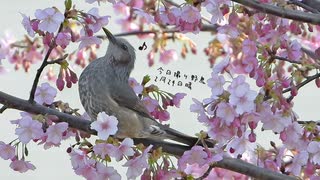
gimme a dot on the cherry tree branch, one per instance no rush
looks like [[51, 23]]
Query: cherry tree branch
[[243, 167], [236, 165], [43, 65], [281, 11]]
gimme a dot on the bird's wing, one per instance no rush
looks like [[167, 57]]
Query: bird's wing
[[126, 97]]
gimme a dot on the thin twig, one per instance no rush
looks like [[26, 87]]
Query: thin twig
[[286, 59], [43, 65], [308, 79], [308, 122], [58, 61], [304, 6], [281, 11], [204, 28]]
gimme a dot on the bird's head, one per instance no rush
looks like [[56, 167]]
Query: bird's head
[[120, 52]]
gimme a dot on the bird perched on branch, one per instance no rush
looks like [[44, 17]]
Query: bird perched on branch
[[103, 86]]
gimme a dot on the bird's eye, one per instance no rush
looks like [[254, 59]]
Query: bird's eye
[[124, 47]]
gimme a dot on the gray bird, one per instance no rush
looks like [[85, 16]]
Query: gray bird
[[103, 86]]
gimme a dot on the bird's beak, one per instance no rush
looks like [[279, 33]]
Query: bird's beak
[[110, 36]]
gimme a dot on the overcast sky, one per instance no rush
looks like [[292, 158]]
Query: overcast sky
[[54, 163]]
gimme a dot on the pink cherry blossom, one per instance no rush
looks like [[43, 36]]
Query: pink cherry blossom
[[104, 172], [121, 8], [239, 87], [190, 14], [145, 16], [88, 41], [314, 149], [216, 83], [168, 16], [125, 149], [128, 25], [150, 103], [244, 103], [167, 56], [55, 132], [226, 112], [274, 121], [6, 151], [32, 56], [229, 30], [137, 88], [87, 169], [240, 145], [105, 125], [196, 155], [63, 39], [249, 64], [104, 149], [29, 129], [293, 135], [221, 67], [293, 51], [78, 157], [197, 107], [213, 8], [45, 94], [22, 166], [22, 114], [216, 154], [5, 47], [161, 114], [50, 18], [27, 25], [177, 98], [81, 58], [249, 48], [298, 162], [195, 170], [219, 131], [189, 19], [137, 164], [98, 21]]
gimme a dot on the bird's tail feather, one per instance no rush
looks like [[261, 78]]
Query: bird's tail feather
[[180, 137]]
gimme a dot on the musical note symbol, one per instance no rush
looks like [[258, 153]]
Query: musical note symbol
[[143, 47]]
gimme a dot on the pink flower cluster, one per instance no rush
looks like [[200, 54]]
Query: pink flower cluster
[[152, 105], [160, 112], [66, 77], [89, 168], [49, 21], [186, 18], [31, 129], [93, 169]]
